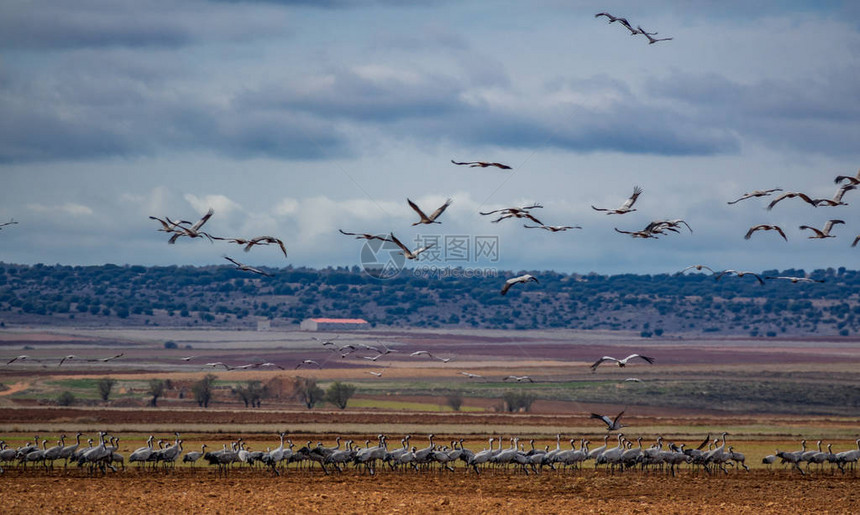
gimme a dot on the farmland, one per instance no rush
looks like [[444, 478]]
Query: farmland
[[766, 393]]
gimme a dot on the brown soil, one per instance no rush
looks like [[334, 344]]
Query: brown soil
[[245, 491], [118, 416]]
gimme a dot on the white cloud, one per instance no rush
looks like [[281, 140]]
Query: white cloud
[[67, 208], [287, 206], [220, 203]]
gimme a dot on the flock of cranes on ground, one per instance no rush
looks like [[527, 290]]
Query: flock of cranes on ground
[[709, 456]]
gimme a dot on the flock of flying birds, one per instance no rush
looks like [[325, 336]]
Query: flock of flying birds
[[180, 228], [64, 359], [633, 32], [845, 184]]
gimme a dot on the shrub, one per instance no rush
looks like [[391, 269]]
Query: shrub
[[66, 399], [518, 401], [454, 400]]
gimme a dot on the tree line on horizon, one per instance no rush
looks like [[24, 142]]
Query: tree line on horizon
[[220, 296]]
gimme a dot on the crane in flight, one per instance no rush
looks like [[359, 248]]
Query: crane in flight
[[756, 193], [431, 219], [516, 280], [611, 424], [626, 207], [482, 164], [620, 362]]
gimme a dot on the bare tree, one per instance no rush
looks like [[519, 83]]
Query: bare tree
[[156, 390], [202, 390], [252, 393], [105, 386], [307, 391], [339, 394]]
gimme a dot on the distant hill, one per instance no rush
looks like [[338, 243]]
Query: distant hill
[[221, 296]]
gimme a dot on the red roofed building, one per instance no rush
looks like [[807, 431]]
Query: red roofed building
[[333, 324]]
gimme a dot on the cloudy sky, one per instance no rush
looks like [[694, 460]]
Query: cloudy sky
[[297, 118]]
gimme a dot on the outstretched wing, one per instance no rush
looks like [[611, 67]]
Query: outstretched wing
[[646, 358], [606, 420], [632, 200], [493, 211], [779, 199], [417, 209], [817, 231], [779, 230], [601, 360], [758, 277], [397, 242], [440, 210], [751, 231], [199, 224], [532, 218]]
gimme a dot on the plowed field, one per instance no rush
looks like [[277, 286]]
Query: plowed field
[[184, 491]]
